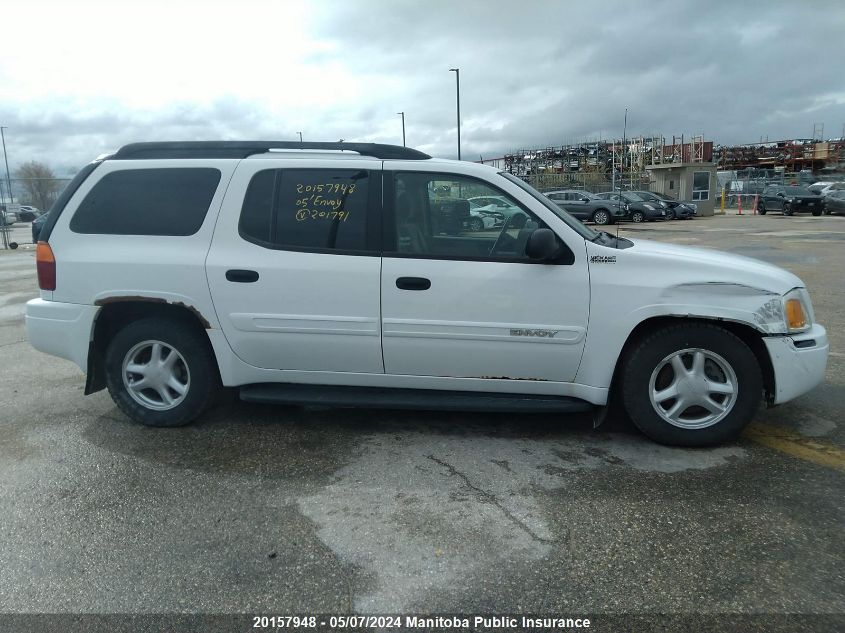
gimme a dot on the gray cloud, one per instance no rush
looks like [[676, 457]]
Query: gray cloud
[[532, 74]]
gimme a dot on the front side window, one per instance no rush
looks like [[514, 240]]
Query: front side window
[[307, 209], [701, 185], [172, 201], [433, 221]]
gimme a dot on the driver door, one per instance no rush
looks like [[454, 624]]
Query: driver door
[[467, 303]]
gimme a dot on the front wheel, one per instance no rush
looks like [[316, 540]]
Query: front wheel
[[670, 214], [161, 371], [637, 216], [817, 213], [601, 217], [761, 209], [476, 224], [691, 385]]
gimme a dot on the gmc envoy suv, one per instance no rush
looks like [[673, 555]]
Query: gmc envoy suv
[[324, 273]]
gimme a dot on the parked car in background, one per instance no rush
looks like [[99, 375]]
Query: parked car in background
[[501, 204], [8, 218], [586, 207], [681, 209], [37, 223], [825, 188], [483, 217], [637, 208], [27, 213], [834, 202], [790, 199]]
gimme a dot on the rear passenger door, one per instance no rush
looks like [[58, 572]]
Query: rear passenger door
[[294, 266]]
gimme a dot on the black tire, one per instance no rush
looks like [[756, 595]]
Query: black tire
[[761, 209], [602, 216], [817, 213], [650, 352], [670, 214], [476, 224], [637, 216], [197, 356]]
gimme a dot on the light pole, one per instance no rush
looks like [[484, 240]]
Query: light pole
[[403, 128], [457, 72], [5, 230], [6, 160]]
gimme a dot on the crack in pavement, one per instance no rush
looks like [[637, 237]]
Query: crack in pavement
[[490, 498]]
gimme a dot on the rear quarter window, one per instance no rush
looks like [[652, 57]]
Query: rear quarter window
[[171, 201]]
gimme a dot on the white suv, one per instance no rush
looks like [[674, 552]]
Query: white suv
[[343, 274]]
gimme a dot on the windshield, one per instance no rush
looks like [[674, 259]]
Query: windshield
[[797, 191], [630, 195], [576, 225]]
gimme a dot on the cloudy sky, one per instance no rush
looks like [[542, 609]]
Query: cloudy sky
[[81, 78]]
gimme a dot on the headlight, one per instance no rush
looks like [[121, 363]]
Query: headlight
[[790, 200], [797, 310], [649, 207]]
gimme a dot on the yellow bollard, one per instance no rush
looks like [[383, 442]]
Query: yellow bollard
[[722, 212]]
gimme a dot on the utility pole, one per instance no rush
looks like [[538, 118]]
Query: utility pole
[[403, 128], [6, 160], [457, 72], [624, 131]]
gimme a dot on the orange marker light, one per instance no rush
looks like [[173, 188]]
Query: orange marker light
[[795, 317], [45, 264]]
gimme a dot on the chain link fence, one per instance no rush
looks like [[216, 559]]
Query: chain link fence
[[30, 198]]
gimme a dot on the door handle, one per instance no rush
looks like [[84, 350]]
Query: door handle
[[242, 276], [413, 283]]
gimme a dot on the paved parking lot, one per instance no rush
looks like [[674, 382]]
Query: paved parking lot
[[273, 509]]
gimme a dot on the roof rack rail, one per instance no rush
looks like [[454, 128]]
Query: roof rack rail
[[242, 149]]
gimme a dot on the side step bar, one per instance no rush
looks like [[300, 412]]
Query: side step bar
[[426, 399]]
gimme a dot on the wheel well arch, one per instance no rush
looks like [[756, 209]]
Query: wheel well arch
[[115, 314], [746, 333]]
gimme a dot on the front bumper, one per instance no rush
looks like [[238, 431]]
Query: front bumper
[[799, 362], [61, 329]]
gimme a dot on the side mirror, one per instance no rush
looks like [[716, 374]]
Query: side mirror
[[542, 245], [585, 199], [781, 194]]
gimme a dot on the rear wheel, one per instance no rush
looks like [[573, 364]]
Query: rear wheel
[[817, 212], [761, 209], [161, 371], [476, 224], [691, 385]]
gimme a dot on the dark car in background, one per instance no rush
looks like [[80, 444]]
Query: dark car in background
[[637, 208], [37, 223], [586, 207], [681, 209], [789, 200], [834, 202]]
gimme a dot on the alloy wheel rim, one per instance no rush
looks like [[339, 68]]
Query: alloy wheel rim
[[601, 217], [156, 375], [693, 388]]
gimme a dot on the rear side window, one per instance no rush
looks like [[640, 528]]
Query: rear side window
[[148, 202], [307, 209]]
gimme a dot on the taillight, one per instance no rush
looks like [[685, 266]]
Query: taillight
[[45, 263]]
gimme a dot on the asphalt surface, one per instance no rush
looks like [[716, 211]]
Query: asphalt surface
[[285, 510]]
